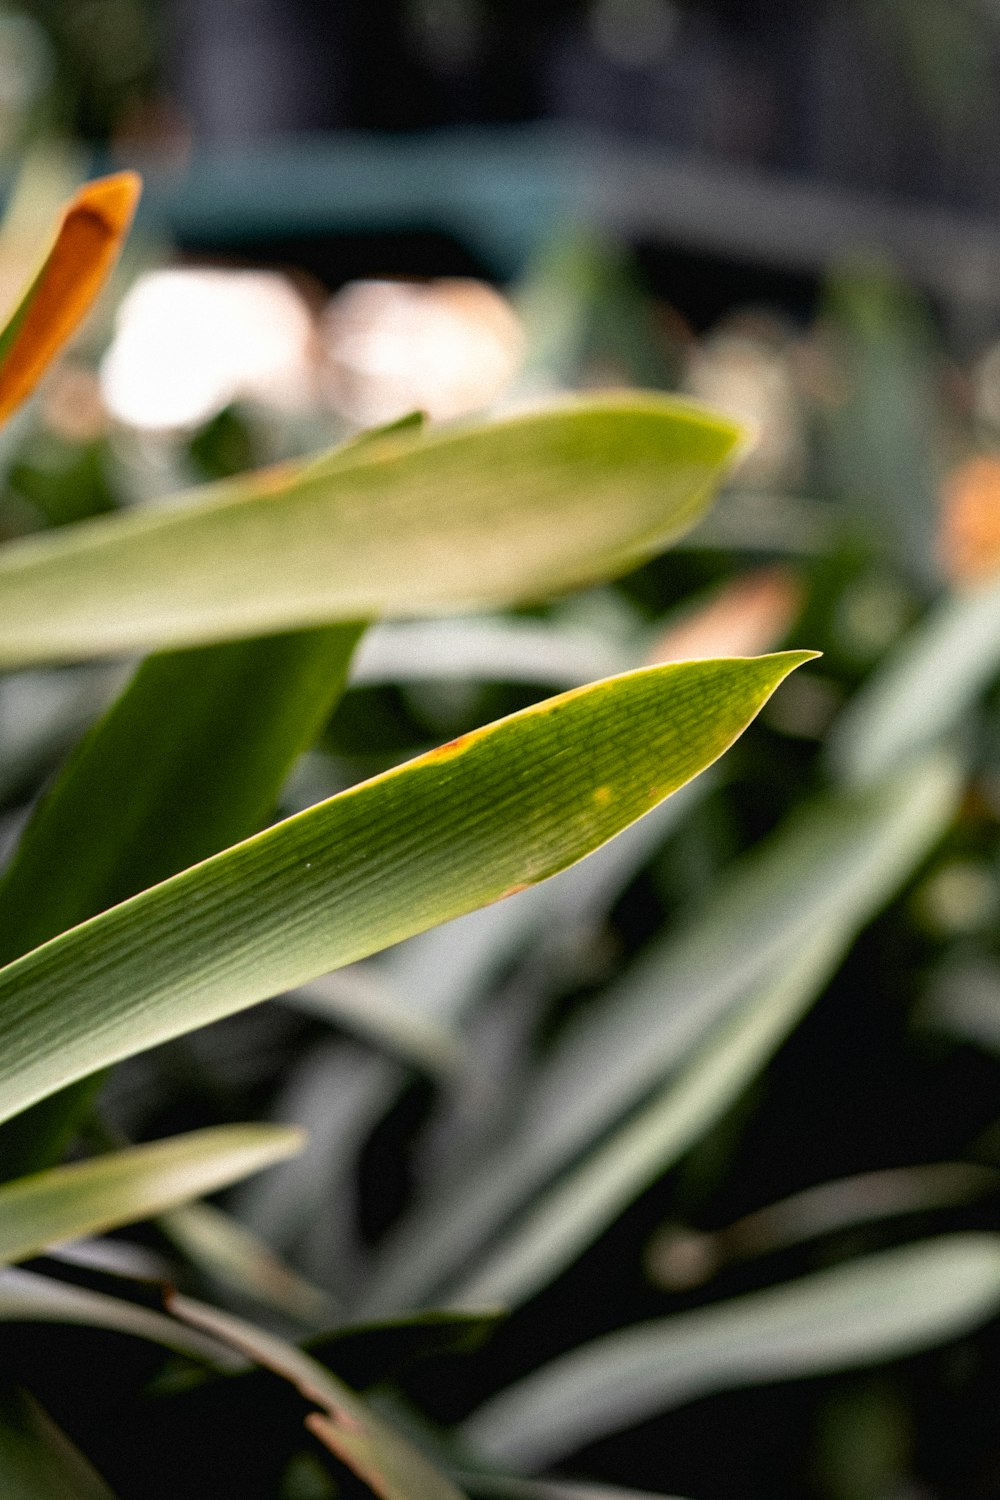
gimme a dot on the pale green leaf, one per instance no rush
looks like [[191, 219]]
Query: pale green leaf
[[404, 524], [860, 1313], [227, 1252], [505, 806], [586, 1201], [834, 864], [88, 1197], [26, 1297], [924, 689]]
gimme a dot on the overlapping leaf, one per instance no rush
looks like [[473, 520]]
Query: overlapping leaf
[[404, 525], [464, 825]]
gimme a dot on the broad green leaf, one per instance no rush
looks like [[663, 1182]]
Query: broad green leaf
[[835, 863], [37, 1459], [924, 688], [454, 829], [88, 1197], [404, 525], [862, 1312], [384, 1460], [26, 1297], [190, 758], [227, 1252], [87, 242], [586, 1201]]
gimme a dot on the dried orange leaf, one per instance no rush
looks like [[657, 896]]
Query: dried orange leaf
[[87, 242]]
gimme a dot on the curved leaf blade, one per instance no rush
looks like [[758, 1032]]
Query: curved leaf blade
[[862, 1312], [403, 524], [89, 1197], [37, 1459], [454, 829], [386, 1461], [88, 239]]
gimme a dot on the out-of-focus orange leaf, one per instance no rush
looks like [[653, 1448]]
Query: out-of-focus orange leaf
[[744, 618], [969, 532], [87, 242]]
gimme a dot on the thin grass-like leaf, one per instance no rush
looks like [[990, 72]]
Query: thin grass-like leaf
[[384, 1460], [27, 1297], [860, 1313], [401, 525], [227, 1252], [834, 864], [923, 690], [573, 1213], [88, 1197], [469, 823]]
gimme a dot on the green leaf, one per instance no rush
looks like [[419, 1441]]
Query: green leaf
[[384, 1460], [26, 1297], [404, 524], [586, 1201], [923, 690], [461, 826], [190, 758], [833, 864], [37, 1459], [227, 1252], [863, 1312], [88, 1197]]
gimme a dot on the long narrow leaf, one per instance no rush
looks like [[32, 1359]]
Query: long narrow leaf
[[924, 689], [405, 524], [461, 826], [37, 1459], [26, 1297], [190, 758], [571, 1215], [835, 864], [863, 1312], [386, 1462], [88, 1197]]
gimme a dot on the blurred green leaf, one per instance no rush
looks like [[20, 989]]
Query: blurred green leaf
[[88, 1197], [923, 690], [37, 1459], [367, 1354], [862, 1312], [830, 867], [384, 1460], [413, 847], [404, 524], [26, 1297], [570, 1215], [227, 1252]]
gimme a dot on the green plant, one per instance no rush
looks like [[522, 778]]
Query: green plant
[[195, 749], [537, 1082]]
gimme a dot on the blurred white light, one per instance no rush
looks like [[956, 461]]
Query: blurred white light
[[445, 347], [634, 33], [188, 342]]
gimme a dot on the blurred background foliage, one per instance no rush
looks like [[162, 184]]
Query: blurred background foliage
[[682, 244]]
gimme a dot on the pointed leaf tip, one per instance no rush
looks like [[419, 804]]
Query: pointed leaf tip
[[87, 242]]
